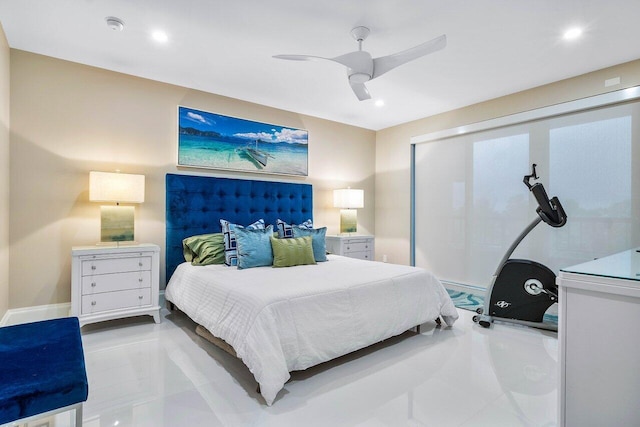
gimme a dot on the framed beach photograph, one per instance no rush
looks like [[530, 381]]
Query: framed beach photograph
[[214, 141]]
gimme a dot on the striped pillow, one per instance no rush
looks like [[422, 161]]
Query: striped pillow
[[285, 230], [230, 247]]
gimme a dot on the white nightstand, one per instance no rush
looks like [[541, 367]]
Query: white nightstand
[[109, 282], [353, 246]]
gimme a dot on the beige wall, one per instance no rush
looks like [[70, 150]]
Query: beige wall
[[4, 172], [68, 119], [393, 154]]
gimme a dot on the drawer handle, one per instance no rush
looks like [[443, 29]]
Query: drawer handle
[[139, 296], [93, 267], [93, 303], [140, 264], [93, 284], [348, 247], [140, 280]]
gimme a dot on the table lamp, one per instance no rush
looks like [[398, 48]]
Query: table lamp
[[348, 200], [116, 222]]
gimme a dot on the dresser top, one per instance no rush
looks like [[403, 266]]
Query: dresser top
[[624, 265], [116, 249]]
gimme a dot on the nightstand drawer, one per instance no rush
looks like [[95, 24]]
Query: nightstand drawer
[[115, 265], [366, 255], [351, 246], [116, 300], [360, 247], [116, 282]]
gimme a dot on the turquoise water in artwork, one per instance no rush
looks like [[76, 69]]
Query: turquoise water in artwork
[[282, 157], [211, 140]]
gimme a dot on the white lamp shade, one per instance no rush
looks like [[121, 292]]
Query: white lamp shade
[[348, 198], [116, 187]]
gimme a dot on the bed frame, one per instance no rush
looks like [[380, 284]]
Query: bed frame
[[195, 205]]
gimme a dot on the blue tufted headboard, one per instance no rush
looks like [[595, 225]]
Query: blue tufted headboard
[[195, 205]]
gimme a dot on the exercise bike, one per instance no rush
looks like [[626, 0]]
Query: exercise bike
[[521, 290]]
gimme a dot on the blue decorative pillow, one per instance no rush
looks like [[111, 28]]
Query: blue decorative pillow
[[230, 250], [284, 229], [254, 247], [318, 243]]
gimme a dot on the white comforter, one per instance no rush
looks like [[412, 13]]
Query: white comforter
[[280, 320]]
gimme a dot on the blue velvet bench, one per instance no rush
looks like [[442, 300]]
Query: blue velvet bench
[[42, 370]]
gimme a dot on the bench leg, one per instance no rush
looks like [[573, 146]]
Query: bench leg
[[78, 415]]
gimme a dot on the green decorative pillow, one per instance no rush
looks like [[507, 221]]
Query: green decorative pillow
[[204, 249], [294, 251], [318, 243]]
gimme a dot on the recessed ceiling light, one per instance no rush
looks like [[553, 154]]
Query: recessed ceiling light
[[116, 24], [379, 103], [160, 36], [572, 33]]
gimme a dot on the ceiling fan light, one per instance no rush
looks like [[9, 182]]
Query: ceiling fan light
[[359, 78]]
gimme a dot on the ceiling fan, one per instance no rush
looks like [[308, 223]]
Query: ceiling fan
[[361, 67]]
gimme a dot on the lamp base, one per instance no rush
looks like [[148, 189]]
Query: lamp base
[[117, 224], [348, 221]]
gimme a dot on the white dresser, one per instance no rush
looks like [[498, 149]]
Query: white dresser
[[354, 246], [599, 344], [109, 282]]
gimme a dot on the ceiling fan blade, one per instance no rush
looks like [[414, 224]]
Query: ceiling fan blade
[[360, 90], [357, 60], [387, 63], [299, 57]]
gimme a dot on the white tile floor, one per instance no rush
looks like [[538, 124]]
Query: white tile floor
[[143, 374]]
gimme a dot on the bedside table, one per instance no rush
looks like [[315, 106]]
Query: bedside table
[[109, 282], [354, 246]]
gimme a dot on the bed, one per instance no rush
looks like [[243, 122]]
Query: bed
[[280, 320]]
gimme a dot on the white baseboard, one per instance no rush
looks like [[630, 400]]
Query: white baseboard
[[17, 316]]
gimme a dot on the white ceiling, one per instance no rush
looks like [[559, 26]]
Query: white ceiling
[[495, 47]]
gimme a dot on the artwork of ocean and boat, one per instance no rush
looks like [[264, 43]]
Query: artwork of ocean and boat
[[209, 140]]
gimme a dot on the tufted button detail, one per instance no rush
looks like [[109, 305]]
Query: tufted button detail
[[195, 205]]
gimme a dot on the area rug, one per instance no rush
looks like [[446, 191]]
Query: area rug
[[471, 302]]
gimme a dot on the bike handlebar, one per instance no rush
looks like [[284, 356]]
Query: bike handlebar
[[550, 210]]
